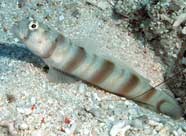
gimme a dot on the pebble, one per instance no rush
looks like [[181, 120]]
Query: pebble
[[81, 88], [128, 103], [180, 19], [148, 131], [184, 30], [153, 123], [86, 131], [180, 131], [137, 123], [10, 126], [183, 61], [38, 133], [25, 111], [118, 127], [95, 97], [33, 100], [70, 131], [103, 5], [183, 128], [61, 18], [23, 126], [16, 40], [3, 5], [175, 133], [164, 131]]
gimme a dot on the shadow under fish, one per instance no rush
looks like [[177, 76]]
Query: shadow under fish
[[12, 51], [15, 52]]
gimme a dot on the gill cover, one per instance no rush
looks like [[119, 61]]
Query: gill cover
[[35, 35]]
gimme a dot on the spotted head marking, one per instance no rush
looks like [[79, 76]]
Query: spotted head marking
[[39, 38]]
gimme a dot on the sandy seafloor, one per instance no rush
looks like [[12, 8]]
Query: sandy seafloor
[[31, 105]]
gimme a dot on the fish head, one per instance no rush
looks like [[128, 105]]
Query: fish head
[[35, 35]]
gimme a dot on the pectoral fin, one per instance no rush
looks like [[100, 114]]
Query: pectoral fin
[[58, 76]]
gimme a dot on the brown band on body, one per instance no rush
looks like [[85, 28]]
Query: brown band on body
[[129, 86], [159, 105], [59, 39], [148, 95], [105, 70], [118, 79], [77, 59], [88, 66]]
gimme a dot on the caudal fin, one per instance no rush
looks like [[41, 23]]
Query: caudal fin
[[161, 102]]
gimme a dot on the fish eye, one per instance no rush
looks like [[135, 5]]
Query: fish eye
[[33, 25]]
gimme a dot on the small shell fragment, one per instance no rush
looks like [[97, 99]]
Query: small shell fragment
[[81, 88], [23, 126], [10, 126], [180, 19], [119, 128], [38, 133]]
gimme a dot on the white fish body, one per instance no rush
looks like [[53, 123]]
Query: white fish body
[[61, 54]]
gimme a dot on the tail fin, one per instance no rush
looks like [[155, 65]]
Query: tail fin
[[160, 101]]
